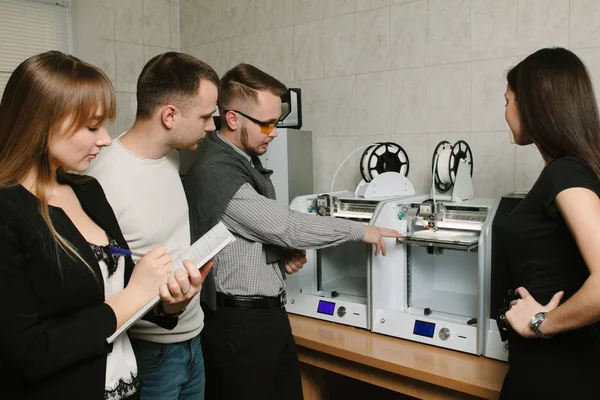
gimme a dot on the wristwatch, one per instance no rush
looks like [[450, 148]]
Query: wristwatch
[[160, 311], [535, 323]]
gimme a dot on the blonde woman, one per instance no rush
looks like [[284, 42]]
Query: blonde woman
[[62, 290]]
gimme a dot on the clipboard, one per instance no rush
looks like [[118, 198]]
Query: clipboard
[[205, 248]]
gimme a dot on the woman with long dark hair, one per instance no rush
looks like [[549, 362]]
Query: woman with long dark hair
[[554, 245], [63, 292]]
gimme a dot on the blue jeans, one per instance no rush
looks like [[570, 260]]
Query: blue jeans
[[172, 371]]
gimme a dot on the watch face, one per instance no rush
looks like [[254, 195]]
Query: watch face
[[537, 318]]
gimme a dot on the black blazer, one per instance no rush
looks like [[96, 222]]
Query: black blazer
[[54, 322]]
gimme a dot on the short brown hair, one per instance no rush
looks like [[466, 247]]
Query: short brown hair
[[171, 78], [239, 86]]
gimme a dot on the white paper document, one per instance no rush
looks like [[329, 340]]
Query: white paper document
[[205, 248]]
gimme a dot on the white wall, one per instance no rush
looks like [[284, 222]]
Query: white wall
[[414, 72], [120, 36]]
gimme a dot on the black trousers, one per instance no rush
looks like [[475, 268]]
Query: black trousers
[[250, 354]]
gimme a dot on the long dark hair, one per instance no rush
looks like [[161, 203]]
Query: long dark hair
[[557, 106]]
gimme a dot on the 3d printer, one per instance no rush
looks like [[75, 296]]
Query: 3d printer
[[429, 288], [334, 284]]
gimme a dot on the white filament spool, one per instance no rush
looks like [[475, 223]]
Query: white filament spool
[[443, 165], [368, 162], [383, 157]]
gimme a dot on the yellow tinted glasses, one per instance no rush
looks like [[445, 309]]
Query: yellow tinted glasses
[[265, 127]]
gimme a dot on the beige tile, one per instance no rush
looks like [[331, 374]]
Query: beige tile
[[214, 19], [126, 110], [189, 50], [130, 61], [449, 106], [338, 45], [107, 19], [529, 165], [188, 23], [273, 14], [329, 152], [284, 14], [281, 54], [129, 24], [107, 60], [584, 26], [409, 34], [416, 147], [542, 23], [449, 31], [111, 127], [373, 103], [230, 54], [410, 101], [210, 23], [236, 12], [328, 106], [253, 20], [151, 51], [494, 163], [157, 23], [591, 59], [255, 49], [493, 29], [222, 55], [488, 84], [308, 57], [306, 11], [372, 40], [332, 8], [174, 25], [364, 5], [371, 138]]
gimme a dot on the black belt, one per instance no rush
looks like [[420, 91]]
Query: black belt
[[225, 300]]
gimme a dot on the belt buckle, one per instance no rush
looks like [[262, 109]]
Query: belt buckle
[[282, 299]]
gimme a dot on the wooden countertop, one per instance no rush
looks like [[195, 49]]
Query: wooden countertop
[[478, 376]]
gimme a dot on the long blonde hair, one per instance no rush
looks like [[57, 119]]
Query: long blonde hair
[[42, 93]]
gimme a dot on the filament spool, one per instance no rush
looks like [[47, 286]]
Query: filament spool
[[446, 160], [383, 157]]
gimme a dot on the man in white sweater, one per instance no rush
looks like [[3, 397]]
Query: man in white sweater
[[176, 97]]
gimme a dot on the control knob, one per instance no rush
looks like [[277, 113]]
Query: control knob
[[444, 333]]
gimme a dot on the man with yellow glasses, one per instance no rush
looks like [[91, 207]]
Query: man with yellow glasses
[[248, 347]]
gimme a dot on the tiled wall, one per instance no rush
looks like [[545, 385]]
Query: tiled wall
[[131, 32], [413, 72]]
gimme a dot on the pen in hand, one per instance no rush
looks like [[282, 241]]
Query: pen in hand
[[125, 252]]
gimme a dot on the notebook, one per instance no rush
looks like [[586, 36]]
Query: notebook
[[205, 248]]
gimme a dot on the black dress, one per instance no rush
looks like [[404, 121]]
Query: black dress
[[544, 258]]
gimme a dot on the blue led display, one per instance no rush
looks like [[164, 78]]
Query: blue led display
[[326, 307], [424, 328]]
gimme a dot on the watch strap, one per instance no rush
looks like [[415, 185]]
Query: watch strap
[[536, 326]]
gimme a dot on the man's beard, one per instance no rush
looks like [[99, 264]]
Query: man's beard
[[252, 152]]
